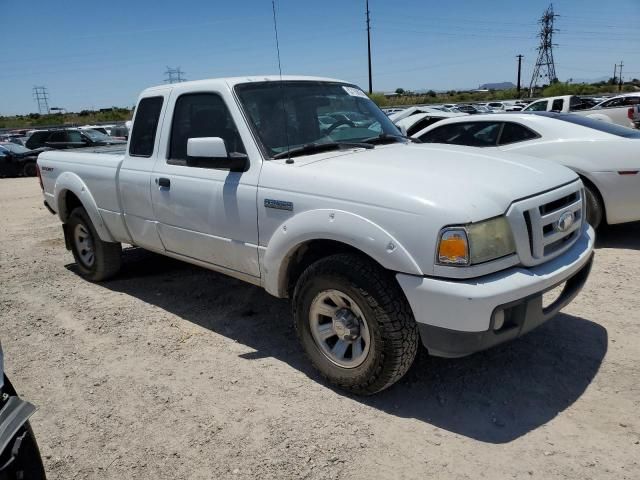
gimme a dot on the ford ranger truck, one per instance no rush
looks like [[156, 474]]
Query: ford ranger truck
[[303, 186]]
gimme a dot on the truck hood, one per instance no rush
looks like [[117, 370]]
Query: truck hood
[[469, 183]]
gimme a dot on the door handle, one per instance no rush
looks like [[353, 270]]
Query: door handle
[[164, 182]]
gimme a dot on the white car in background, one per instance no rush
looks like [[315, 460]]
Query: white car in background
[[623, 109], [415, 119], [605, 155]]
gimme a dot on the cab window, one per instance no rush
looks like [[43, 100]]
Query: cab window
[[145, 126], [201, 115]]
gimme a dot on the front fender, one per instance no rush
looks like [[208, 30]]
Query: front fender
[[69, 181], [337, 225]]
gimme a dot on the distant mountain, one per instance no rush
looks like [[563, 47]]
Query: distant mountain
[[497, 86]]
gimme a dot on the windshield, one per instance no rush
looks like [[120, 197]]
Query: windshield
[[313, 113], [96, 136], [15, 148]]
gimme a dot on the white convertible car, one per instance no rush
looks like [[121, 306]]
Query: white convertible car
[[605, 155]]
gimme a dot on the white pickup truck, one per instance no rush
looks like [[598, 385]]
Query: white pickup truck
[[378, 241], [622, 110]]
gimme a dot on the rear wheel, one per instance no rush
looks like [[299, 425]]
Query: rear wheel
[[595, 210], [96, 260], [354, 323]]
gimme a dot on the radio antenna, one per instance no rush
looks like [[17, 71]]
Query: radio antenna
[[284, 111]]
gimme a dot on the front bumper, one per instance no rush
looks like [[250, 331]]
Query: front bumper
[[457, 318]]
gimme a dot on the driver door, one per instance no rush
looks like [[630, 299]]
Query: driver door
[[205, 212]]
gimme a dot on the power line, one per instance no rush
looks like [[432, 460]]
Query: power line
[[41, 96], [369, 47], [620, 77], [519, 57], [545, 66], [174, 75]]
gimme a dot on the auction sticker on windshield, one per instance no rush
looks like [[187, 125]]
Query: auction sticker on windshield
[[355, 92]]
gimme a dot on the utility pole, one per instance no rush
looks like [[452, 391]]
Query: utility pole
[[519, 71], [620, 77], [369, 47], [174, 75], [41, 96], [545, 66], [615, 73]]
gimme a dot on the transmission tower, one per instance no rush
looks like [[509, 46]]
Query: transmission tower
[[41, 96], [174, 75], [545, 67]]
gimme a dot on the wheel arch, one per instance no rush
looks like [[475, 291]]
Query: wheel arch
[[588, 182], [312, 235], [71, 192]]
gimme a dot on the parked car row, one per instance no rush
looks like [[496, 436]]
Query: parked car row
[[623, 110]]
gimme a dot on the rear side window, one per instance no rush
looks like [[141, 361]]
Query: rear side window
[[37, 139], [60, 136], [473, 134], [145, 126], [75, 137], [514, 132], [557, 105]]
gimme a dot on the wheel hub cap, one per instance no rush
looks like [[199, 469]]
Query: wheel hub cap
[[84, 244], [339, 328], [346, 325]]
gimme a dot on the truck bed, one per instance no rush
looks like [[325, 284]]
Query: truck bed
[[95, 167]]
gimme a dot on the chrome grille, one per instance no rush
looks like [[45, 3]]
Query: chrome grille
[[546, 225]]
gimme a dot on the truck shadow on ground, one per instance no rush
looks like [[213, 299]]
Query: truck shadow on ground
[[625, 235], [494, 396]]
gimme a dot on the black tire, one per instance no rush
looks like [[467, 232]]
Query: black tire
[[595, 210], [27, 464], [107, 256], [392, 328], [29, 169]]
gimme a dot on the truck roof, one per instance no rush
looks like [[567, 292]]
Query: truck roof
[[233, 81]]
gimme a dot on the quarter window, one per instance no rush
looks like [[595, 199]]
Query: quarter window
[[145, 125], [201, 115], [514, 132], [474, 134]]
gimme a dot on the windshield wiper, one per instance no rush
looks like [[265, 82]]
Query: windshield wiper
[[320, 147], [388, 138]]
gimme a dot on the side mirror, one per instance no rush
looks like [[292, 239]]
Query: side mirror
[[212, 152]]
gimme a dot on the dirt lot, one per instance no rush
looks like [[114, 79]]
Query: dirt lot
[[174, 372]]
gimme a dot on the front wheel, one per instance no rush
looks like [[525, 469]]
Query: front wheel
[[96, 260], [354, 323], [595, 210]]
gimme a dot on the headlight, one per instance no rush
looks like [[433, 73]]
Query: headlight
[[475, 243]]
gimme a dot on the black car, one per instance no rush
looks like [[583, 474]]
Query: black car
[[16, 160], [69, 138], [19, 454]]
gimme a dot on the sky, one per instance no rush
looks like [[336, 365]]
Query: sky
[[97, 54]]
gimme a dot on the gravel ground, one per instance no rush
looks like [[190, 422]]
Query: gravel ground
[[173, 372]]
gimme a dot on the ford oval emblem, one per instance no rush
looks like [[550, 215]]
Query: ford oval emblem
[[565, 221]]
